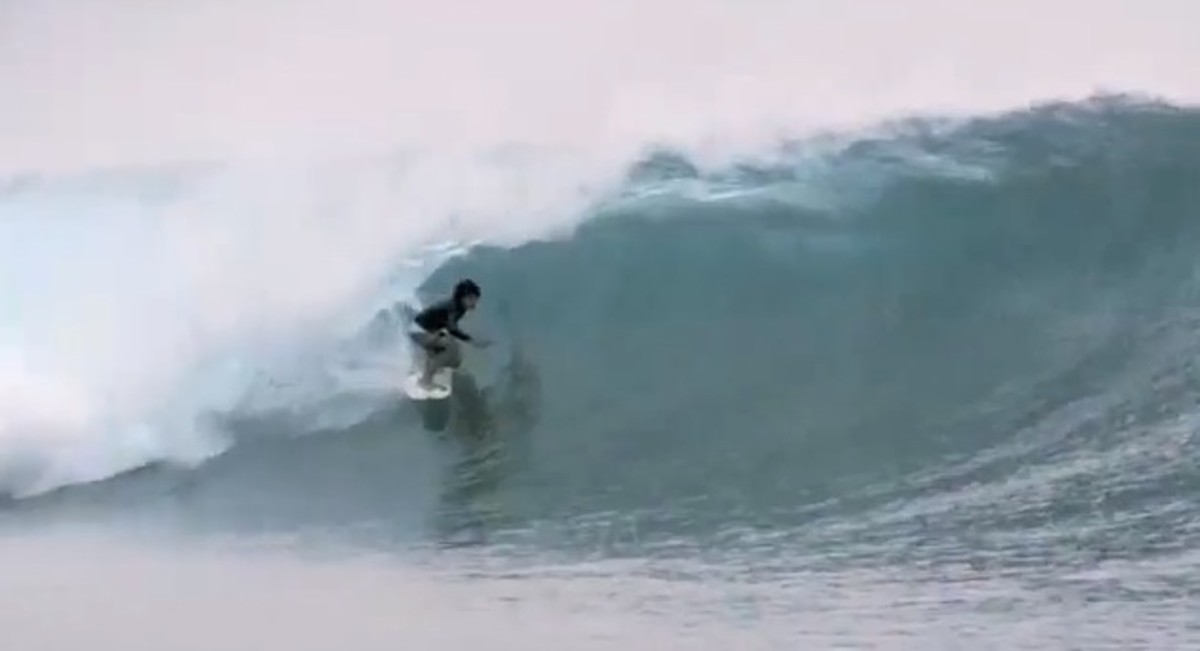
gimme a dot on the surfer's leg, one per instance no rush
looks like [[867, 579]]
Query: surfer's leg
[[427, 346], [441, 351], [446, 355]]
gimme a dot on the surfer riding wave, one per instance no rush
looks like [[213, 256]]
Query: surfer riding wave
[[435, 330]]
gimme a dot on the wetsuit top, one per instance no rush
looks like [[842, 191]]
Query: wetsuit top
[[442, 316]]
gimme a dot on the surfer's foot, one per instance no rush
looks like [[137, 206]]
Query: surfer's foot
[[428, 383]]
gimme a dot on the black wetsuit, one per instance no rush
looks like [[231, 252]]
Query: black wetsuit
[[442, 316]]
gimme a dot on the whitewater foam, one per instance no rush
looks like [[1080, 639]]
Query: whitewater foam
[[115, 297]]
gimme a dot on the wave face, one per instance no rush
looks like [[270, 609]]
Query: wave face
[[998, 316], [978, 326]]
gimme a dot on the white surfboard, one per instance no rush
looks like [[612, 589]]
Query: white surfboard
[[440, 390]]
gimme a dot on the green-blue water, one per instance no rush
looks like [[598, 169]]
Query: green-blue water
[[943, 373]]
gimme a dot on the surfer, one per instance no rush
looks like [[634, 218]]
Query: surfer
[[436, 327]]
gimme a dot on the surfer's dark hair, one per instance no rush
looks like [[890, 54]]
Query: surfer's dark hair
[[465, 288]]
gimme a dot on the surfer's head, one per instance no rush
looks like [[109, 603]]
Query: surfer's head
[[467, 293]]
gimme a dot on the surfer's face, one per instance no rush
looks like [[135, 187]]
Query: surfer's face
[[469, 301]]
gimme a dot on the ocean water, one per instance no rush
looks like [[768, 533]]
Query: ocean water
[[924, 382]]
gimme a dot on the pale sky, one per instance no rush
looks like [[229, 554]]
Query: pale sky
[[85, 83]]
